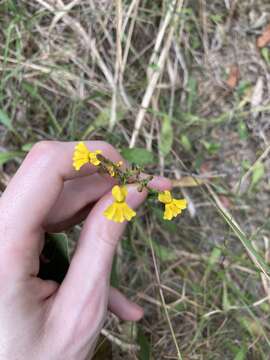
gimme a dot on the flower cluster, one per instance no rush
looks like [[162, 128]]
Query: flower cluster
[[173, 207], [119, 211], [83, 156]]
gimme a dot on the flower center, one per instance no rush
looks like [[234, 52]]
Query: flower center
[[121, 199]]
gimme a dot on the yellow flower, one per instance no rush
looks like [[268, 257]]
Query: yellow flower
[[173, 207], [111, 171], [93, 157], [83, 156], [111, 168], [119, 211]]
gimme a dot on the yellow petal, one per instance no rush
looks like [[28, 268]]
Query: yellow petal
[[93, 157], [175, 209], [181, 203], [110, 211], [80, 156], [119, 212], [168, 215], [165, 197], [77, 164], [171, 211], [82, 148], [119, 193], [111, 171], [128, 212]]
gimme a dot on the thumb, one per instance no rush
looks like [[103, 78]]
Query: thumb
[[100, 236], [89, 271]]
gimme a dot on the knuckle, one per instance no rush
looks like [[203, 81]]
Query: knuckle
[[108, 146], [44, 149], [44, 146], [108, 150], [107, 239]]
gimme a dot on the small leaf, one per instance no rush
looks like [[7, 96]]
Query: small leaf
[[166, 136], [5, 120], [164, 253], [9, 155], [241, 354], [252, 326], [153, 66], [266, 55], [246, 164], [138, 156], [27, 147], [145, 348], [212, 261], [214, 257], [218, 18], [211, 147], [257, 174], [242, 131], [186, 143], [31, 89], [103, 120]]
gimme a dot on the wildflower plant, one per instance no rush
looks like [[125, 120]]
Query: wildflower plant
[[119, 211]]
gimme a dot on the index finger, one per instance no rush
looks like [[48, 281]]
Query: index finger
[[36, 186]]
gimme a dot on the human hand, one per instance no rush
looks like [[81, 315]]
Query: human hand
[[42, 319]]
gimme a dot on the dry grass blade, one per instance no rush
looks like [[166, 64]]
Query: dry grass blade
[[123, 345], [164, 303], [64, 11], [84, 37], [188, 181], [253, 254], [134, 6], [118, 62], [244, 178], [175, 7]]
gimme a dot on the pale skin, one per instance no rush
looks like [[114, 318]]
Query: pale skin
[[42, 319]]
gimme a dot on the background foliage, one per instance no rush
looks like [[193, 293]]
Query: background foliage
[[185, 84]]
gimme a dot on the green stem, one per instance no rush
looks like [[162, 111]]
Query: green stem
[[127, 176]]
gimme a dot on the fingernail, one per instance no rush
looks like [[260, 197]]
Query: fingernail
[[160, 183], [135, 198]]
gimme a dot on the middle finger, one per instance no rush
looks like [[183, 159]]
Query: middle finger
[[76, 197]]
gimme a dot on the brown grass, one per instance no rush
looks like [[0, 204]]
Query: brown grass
[[115, 70]]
